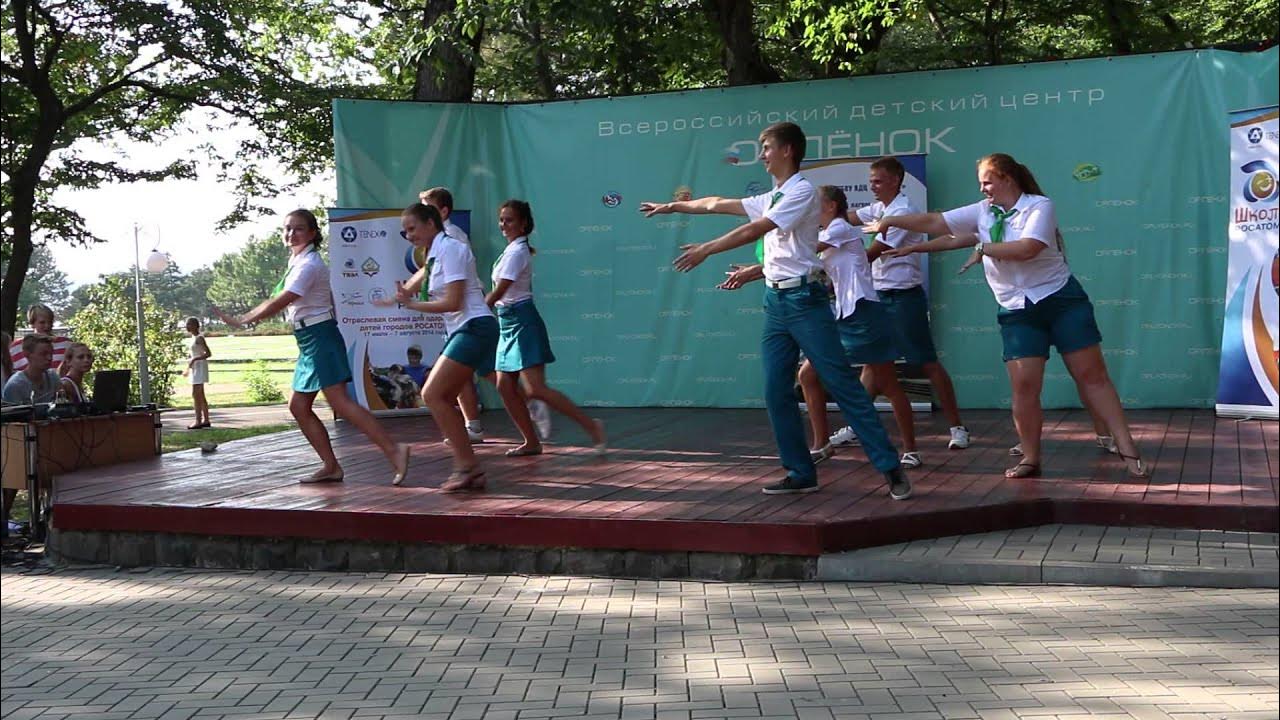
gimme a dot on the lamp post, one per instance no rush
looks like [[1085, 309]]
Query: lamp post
[[156, 262]]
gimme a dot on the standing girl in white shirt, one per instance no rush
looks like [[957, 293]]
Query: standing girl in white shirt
[[524, 350], [304, 296], [1041, 302], [452, 289]]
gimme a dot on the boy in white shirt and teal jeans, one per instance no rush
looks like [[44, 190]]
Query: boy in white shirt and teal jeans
[[797, 310]]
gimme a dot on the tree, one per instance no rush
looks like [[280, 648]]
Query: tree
[[242, 279], [108, 324], [89, 72], [44, 283]]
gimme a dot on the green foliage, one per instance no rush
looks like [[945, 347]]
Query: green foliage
[[261, 389], [44, 283], [108, 326], [242, 279]]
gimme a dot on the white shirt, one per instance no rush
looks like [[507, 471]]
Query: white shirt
[[515, 264], [308, 278], [456, 232], [790, 250], [900, 273], [847, 266], [1015, 281], [451, 260]]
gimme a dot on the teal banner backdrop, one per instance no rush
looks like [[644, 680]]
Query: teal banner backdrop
[[1130, 149]]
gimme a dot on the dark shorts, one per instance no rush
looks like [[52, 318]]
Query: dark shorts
[[909, 324], [1064, 320], [475, 344], [865, 334]]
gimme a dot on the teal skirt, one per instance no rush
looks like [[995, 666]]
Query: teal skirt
[[522, 338], [474, 344], [322, 358], [865, 335]]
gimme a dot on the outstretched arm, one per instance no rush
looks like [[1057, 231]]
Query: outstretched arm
[[701, 206], [693, 255], [740, 275], [940, 244], [267, 308], [928, 223]]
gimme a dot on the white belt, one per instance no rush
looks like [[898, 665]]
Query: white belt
[[788, 283], [313, 320]]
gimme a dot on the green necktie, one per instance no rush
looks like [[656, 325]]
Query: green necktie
[[760, 241], [424, 290], [279, 288], [997, 230]]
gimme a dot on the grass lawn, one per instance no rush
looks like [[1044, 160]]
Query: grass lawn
[[173, 442], [232, 358]]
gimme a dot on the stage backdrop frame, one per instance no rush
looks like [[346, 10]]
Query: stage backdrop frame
[[1130, 150]]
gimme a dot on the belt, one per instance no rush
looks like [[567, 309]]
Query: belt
[[313, 320], [899, 291], [788, 283]]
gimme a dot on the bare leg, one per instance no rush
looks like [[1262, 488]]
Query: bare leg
[[513, 400], [884, 379], [940, 380], [1026, 375], [469, 401], [443, 385], [535, 382], [1089, 370], [815, 399], [201, 404], [312, 427]]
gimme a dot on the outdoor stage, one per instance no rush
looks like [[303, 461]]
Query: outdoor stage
[[679, 486]]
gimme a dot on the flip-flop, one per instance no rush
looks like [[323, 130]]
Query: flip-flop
[[1032, 471], [1142, 470]]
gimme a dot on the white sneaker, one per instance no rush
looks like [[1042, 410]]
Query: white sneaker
[[844, 436], [910, 459], [475, 434], [821, 454], [959, 438], [541, 415]]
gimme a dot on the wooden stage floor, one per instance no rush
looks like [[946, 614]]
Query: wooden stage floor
[[689, 480]]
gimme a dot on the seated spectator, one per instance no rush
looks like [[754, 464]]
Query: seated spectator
[[6, 362], [78, 363], [37, 382], [40, 318]]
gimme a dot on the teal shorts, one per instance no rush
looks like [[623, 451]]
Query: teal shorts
[[1064, 320], [322, 358], [909, 324], [522, 338], [865, 334], [475, 344]]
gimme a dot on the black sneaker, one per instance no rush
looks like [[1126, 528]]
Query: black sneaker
[[790, 486], [899, 485]]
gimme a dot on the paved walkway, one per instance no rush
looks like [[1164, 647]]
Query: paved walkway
[[102, 644], [1081, 554], [237, 417]]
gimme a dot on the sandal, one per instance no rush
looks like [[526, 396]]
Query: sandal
[[1016, 450], [1023, 470], [524, 451], [469, 479], [197, 426], [1107, 443], [333, 477], [1140, 470]]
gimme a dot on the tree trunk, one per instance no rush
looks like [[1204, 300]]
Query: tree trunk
[[743, 62], [1113, 14], [446, 73]]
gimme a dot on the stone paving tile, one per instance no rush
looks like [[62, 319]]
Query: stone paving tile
[[278, 646]]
